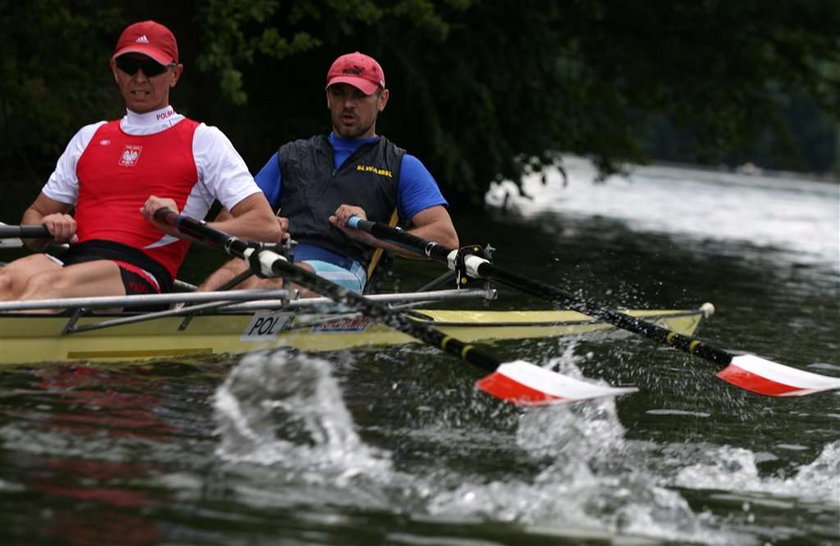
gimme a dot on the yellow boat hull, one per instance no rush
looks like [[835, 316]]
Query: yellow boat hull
[[41, 338]]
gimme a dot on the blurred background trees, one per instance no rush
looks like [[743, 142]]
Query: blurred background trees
[[480, 90]]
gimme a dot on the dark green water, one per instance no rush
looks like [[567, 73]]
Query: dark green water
[[396, 447]]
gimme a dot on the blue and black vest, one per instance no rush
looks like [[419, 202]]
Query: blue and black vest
[[313, 189]]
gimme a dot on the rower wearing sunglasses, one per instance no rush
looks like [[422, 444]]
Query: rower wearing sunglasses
[[114, 175]]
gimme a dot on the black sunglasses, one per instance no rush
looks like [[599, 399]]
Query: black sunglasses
[[130, 65]]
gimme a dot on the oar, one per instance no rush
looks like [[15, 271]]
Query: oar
[[10, 235], [748, 372], [519, 382], [25, 232]]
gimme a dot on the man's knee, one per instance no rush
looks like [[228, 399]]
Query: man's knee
[[5, 284], [16, 276], [229, 270], [42, 285], [223, 275]]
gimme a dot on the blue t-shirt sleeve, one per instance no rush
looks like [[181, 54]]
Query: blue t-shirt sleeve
[[269, 180], [417, 189]]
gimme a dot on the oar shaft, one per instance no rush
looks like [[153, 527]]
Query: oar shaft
[[616, 318], [25, 232], [403, 239], [485, 269]]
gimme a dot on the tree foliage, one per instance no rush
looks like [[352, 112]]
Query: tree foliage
[[51, 72], [480, 89]]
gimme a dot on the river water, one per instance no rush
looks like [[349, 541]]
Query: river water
[[396, 447]]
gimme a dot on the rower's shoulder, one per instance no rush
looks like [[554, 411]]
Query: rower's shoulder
[[318, 139], [209, 137], [83, 136], [91, 128], [299, 144]]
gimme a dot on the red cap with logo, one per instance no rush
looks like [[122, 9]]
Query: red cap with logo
[[358, 70], [148, 38]]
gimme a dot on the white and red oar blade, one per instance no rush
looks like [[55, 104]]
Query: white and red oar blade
[[524, 383], [763, 376]]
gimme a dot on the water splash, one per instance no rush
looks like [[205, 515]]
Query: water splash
[[570, 432], [592, 480], [735, 469], [595, 477], [719, 467], [288, 408]]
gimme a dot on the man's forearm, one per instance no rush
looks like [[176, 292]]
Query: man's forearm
[[442, 234], [34, 217], [251, 219], [253, 225]]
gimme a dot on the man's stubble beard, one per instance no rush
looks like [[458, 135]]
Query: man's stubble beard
[[351, 133]]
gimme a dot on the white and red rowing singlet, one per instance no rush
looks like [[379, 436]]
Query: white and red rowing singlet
[[109, 170], [118, 172]]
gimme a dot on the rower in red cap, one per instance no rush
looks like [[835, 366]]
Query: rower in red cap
[[114, 175]]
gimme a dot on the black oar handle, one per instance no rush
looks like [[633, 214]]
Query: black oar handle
[[487, 270], [401, 238], [200, 231], [25, 232]]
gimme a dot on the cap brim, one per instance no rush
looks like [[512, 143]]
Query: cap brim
[[363, 85], [149, 51]]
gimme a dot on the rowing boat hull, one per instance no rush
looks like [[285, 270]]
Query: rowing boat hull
[[40, 338]]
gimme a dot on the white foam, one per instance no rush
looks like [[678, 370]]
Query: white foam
[[795, 215]]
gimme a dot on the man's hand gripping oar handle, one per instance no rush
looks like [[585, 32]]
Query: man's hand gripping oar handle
[[518, 382], [11, 236], [748, 372]]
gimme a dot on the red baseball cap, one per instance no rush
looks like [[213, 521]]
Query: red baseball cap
[[358, 70], [148, 38]]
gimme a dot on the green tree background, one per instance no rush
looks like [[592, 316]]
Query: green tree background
[[481, 90]]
